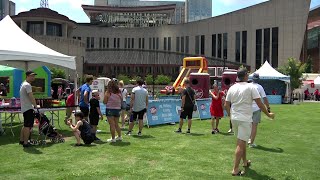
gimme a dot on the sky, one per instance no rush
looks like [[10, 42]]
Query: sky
[[73, 10]]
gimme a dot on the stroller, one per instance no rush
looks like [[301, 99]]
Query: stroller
[[46, 130]]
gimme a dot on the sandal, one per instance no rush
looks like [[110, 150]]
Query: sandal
[[240, 173], [248, 164]]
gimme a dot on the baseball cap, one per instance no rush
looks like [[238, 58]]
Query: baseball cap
[[28, 73], [94, 91], [255, 76], [241, 73]]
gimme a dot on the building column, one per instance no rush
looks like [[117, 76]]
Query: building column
[[45, 28], [66, 30]]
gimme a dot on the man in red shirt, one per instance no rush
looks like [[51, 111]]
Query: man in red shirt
[[316, 94], [70, 106]]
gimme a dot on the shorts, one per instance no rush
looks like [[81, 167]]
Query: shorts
[[85, 111], [242, 129], [138, 115], [113, 112], [256, 117], [94, 120], [88, 139], [187, 112], [28, 118]]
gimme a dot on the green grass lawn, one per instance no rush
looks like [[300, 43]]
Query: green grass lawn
[[288, 149]]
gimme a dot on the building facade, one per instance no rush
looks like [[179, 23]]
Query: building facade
[[7, 8], [54, 31], [271, 31], [198, 9]]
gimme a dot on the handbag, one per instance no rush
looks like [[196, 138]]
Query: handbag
[[195, 108]]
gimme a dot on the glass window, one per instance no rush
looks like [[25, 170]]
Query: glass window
[[153, 43], [104, 42], [266, 45], [244, 47], [139, 43], [313, 36], [165, 43], [182, 44], [92, 42], [142, 43], [107, 42], [100, 69], [150, 43], [225, 46], [214, 45], [79, 38], [128, 42], [157, 43], [258, 48], [219, 45], [118, 43], [114, 42], [177, 44], [88, 42], [100, 42], [275, 46], [54, 29], [132, 43], [125, 42], [203, 43], [35, 28], [169, 43], [196, 48], [238, 47], [187, 44]]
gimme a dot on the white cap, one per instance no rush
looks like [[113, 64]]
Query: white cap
[[94, 91]]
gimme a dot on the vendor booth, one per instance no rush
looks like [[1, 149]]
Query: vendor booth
[[275, 84], [42, 83], [10, 81]]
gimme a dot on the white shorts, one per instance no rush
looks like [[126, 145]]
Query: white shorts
[[242, 129]]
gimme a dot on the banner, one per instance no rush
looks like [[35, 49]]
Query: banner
[[204, 108], [163, 111], [98, 84]]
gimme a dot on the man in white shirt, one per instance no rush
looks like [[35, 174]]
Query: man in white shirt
[[256, 117], [240, 96], [138, 106]]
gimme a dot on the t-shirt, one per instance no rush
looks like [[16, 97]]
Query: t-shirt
[[262, 95], [140, 95], [124, 93], [84, 88], [240, 96], [25, 100], [94, 103], [188, 102], [70, 100]]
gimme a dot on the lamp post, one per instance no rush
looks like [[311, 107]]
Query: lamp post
[[153, 75]]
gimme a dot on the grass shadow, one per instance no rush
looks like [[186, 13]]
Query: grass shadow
[[252, 174], [32, 150], [143, 136], [120, 144], [83, 145], [226, 134], [194, 134], [275, 150]]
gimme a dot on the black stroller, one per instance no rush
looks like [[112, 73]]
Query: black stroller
[[46, 130]]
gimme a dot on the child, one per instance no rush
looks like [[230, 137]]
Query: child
[[95, 112], [70, 106], [81, 130]]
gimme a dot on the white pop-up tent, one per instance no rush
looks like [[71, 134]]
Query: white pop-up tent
[[16, 45], [317, 81], [267, 72]]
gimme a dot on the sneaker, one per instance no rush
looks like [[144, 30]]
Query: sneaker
[[111, 140], [213, 132], [119, 138], [252, 145], [178, 131], [217, 130], [230, 131], [21, 142], [128, 133], [249, 141], [188, 132], [76, 145], [139, 134], [97, 139]]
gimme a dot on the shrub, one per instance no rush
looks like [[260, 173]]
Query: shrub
[[124, 78], [163, 80], [149, 79]]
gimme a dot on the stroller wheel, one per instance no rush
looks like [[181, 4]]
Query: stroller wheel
[[44, 142], [61, 140]]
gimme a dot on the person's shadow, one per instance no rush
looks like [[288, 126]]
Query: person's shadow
[[250, 173], [275, 150], [143, 136], [32, 150], [120, 143]]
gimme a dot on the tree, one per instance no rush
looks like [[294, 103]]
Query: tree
[[124, 78], [163, 80], [58, 73], [294, 69], [309, 65], [149, 79]]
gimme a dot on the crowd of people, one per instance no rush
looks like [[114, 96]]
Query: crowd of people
[[242, 103]]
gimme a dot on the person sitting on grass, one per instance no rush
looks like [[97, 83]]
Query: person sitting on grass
[[82, 130]]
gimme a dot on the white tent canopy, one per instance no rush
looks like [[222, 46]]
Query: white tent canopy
[[268, 72], [16, 45], [317, 80]]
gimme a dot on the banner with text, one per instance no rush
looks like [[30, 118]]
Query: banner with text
[[204, 108]]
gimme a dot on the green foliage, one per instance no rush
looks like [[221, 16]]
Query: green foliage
[[294, 69], [162, 80], [124, 78], [149, 79], [58, 73], [309, 65]]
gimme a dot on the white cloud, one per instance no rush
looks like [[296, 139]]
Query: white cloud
[[21, 1], [74, 4], [238, 2]]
